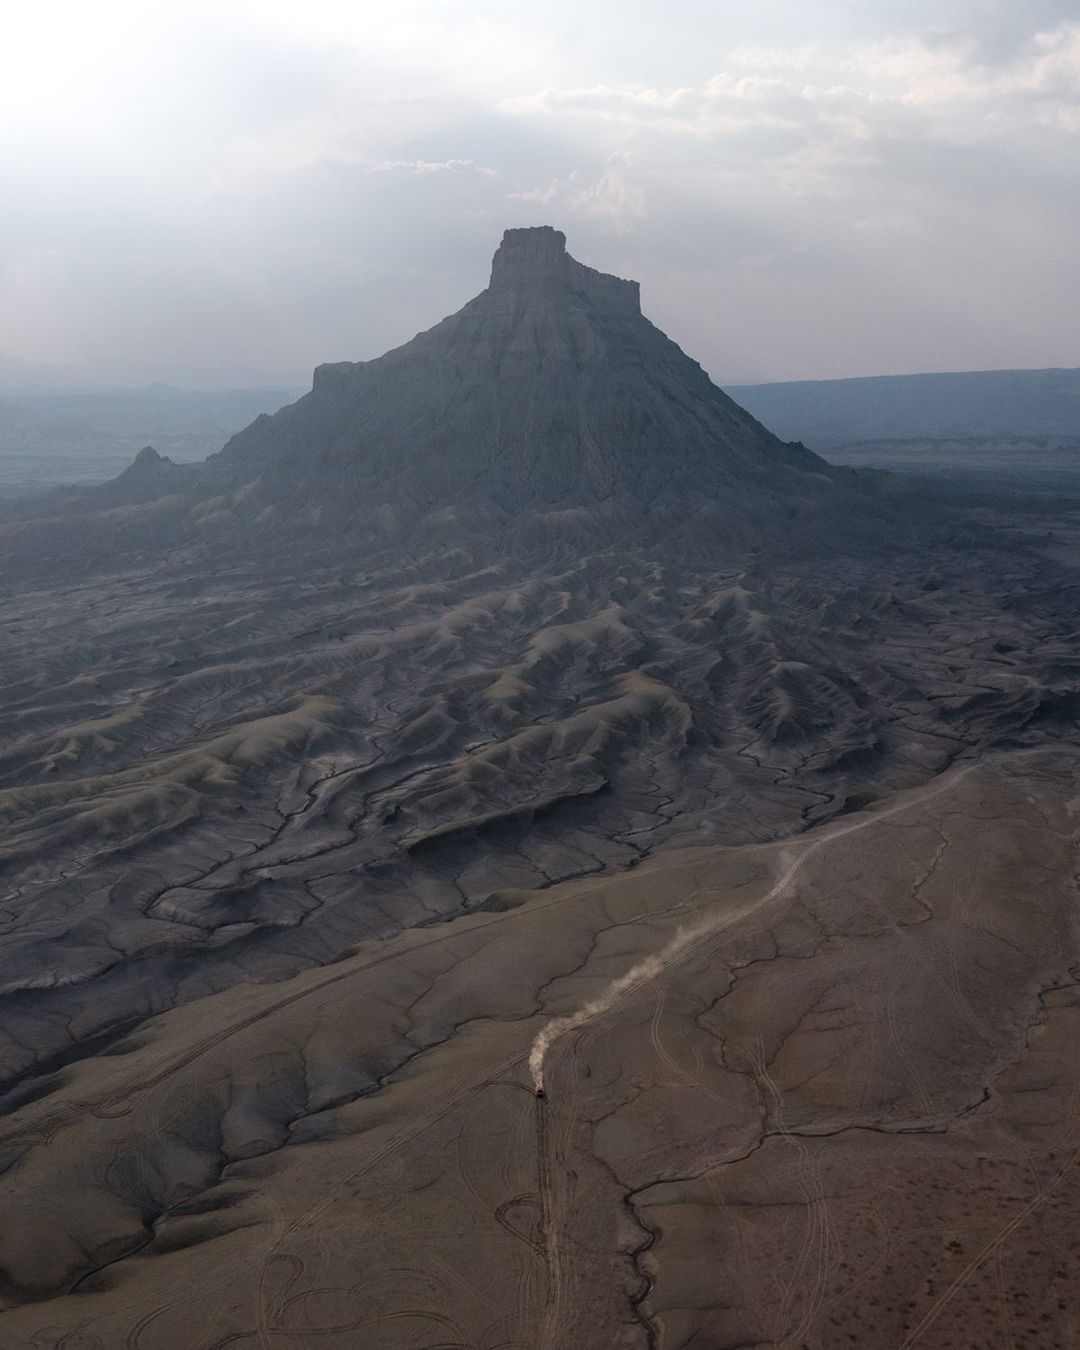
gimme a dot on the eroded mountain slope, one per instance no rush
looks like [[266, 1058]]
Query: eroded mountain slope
[[206, 782], [506, 673]]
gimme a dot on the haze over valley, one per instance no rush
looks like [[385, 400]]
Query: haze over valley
[[556, 830]]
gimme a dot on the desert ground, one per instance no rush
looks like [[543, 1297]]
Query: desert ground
[[795, 906], [815, 1092], [512, 854]]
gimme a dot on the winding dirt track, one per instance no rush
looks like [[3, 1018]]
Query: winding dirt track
[[822, 1049], [560, 1321]]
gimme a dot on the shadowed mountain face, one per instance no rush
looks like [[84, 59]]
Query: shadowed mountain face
[[547, 413], [548, 391], [504, 613]]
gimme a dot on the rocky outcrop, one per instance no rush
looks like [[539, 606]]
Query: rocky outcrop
[[548, 413], [533, 264], [149, 477]]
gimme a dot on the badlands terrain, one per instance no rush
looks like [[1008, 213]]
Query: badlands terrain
[[516, 710]]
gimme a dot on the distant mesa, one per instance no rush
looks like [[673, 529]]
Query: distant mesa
[[978, 403]]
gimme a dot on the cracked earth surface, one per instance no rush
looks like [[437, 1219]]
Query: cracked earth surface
[[295, 866], [841, 1110]]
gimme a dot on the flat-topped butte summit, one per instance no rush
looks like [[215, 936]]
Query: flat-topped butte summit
[[534, 262]]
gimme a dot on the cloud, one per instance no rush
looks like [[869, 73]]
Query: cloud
[[833, 121], [432, 166], [602, 100], [944, 78], [611, 198], [804, 186]]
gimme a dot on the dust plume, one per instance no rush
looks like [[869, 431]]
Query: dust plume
[[642, 973]]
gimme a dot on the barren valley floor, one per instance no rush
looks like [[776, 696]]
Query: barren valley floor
[[836, 1104], [312, 841]]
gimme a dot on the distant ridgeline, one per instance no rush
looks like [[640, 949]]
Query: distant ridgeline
[[142, 411], [825, 413]]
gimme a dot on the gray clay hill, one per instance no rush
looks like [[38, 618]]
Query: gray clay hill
[[548, 407], [549, 389]]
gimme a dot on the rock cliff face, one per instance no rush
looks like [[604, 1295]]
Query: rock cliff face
[[547, 413], [533, 263], [549, 391]]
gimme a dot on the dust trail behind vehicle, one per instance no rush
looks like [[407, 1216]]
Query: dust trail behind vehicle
[[687, 939]]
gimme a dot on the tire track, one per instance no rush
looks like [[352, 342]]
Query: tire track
[[264, 1329], [651, 969]]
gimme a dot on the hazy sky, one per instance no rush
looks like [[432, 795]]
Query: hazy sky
[[231, 192]]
